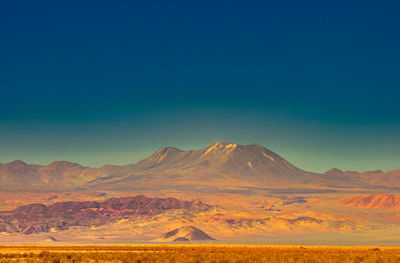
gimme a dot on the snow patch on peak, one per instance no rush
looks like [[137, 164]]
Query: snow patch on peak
[[220, 146], [268, 156], [231, 146]]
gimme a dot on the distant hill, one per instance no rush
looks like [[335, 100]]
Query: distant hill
[[18, 175], [378, 177], [186, 233]]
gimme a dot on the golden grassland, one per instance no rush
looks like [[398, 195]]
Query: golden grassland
[[195, 253]]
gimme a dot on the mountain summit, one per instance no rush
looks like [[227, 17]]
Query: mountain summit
[[221, 163]]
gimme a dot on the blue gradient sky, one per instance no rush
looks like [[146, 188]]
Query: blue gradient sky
[[99, 82]]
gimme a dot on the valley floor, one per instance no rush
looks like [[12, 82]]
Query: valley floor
[[196, 253]]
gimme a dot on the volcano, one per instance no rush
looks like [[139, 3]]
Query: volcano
[[220, 164]]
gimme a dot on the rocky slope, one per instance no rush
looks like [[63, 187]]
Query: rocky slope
[[387, 201], [35, 218]]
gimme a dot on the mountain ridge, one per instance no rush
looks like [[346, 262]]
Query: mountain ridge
[[219, 164], [377, 177]]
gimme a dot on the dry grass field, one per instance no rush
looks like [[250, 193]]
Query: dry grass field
[[195, 253]]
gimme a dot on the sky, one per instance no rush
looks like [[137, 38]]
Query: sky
[[110, 82]]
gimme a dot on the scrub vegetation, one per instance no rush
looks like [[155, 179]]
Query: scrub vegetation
[[195, 253]]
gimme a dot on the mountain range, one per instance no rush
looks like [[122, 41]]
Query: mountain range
[[219, 165], [378, 177]]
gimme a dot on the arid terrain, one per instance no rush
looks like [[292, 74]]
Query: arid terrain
[[196, 253], [225, 193]]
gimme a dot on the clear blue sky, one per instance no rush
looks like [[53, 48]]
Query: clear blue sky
[[99, 82]]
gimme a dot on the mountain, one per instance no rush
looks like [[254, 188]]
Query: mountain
[[387, 201], [35, 218], [18, 175], [239, 162], [186, 233], [61, 173], [220, 164], [377, 177]]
